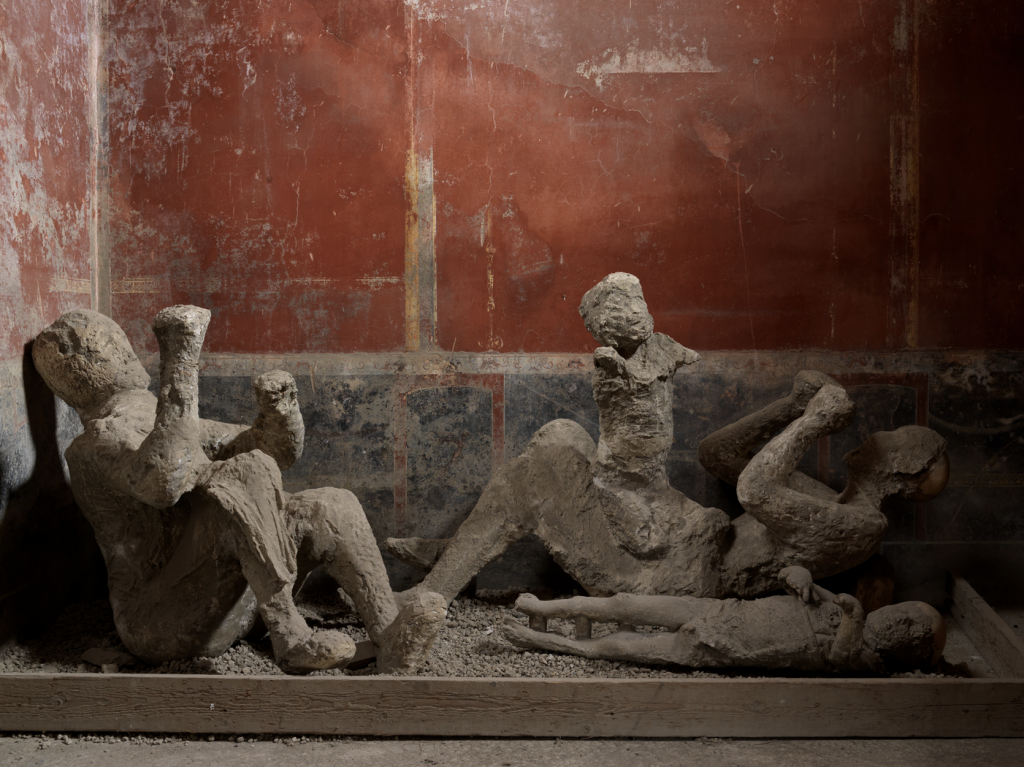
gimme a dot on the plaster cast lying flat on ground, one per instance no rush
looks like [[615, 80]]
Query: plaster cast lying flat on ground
[[609, 517], [190, 514], [811, 629]]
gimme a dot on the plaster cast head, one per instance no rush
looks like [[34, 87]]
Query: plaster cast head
[[910, 461], [615, 312], [908, 635], [85, 359]]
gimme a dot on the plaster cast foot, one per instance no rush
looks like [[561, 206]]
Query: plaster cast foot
[[319, 650], [404, 645], [418, 552]]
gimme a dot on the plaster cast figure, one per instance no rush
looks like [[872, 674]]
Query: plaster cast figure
[[190, 514], [810, 629], [793, 519], [610, 518]]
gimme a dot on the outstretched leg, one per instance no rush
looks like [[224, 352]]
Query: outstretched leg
[[628, 609], [330, 528], [622, 645], [726, 452], [512, 505]]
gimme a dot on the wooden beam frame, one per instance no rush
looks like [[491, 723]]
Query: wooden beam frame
[[566, 708], [754, 708], [994, 640]]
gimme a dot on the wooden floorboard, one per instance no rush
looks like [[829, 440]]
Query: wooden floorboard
[[993, 639], [754, 708]]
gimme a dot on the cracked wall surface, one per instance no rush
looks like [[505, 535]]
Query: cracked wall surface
[[402, 203], [46, 227], [377, 175], [45, 266]]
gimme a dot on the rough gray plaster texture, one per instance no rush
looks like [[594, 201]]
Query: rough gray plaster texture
[[809, 629], [195, 527], [610, 518]]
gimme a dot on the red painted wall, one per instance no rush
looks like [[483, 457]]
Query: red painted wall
[[367, 176], [972, 203], [44, 167]]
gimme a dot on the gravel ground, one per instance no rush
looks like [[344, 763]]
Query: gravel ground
[[469, 645]]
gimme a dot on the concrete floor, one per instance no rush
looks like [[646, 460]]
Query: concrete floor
[[33, 751]]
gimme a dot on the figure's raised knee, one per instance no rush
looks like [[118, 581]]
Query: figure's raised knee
[[750, 490], [562, 435], [326, 517], [331, 506]]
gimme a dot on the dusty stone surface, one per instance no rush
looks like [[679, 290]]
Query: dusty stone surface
[[470, 644], [809, 629], [609, 517], [191, 516]]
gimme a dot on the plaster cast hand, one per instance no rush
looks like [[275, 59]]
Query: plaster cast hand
[[278, 429], [848, 652], [611, 361], [797, 582]]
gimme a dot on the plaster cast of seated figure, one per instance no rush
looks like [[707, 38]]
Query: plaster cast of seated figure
[[611, 520], [810, 629], [190, 514]]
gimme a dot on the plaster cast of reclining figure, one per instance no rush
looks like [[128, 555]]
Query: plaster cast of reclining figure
[[191, 516], [609, 517], [811, 629]]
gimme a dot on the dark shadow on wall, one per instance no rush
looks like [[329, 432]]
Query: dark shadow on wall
[[48, 553]]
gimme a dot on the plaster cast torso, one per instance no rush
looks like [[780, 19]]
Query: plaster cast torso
[[647, 516], [135, 538], [772, 632], [635, 405]]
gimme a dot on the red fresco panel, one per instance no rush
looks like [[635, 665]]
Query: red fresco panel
[[257, 168], [736, 159], [44, 167], [376, 176], [972, 233]]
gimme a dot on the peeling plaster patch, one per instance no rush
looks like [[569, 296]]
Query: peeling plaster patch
[[376, 283], [636, 61], [44, 196]]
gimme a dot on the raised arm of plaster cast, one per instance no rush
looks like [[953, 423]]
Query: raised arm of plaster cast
[[278, 429], [164, 466]]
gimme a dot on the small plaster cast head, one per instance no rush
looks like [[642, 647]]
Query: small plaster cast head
[[615, 313], [85, 358], [910, 461], [908, 635]]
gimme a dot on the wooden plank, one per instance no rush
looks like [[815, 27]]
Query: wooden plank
[[756, 708], [996, 641]]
